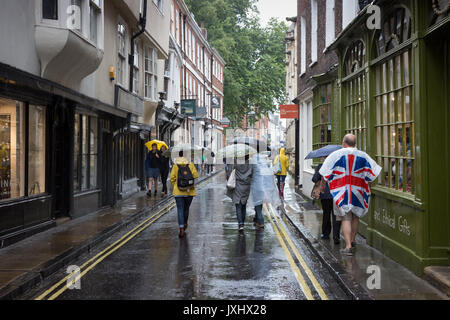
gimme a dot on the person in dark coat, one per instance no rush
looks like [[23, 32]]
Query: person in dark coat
[[164, 169], [241, 192], [152, 164], [327, 206]]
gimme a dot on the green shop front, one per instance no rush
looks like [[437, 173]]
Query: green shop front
[[392, 92]]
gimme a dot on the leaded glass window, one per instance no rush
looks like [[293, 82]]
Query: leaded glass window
[[394, 108]]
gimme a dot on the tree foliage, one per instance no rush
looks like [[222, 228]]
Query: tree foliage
[[254, 74]]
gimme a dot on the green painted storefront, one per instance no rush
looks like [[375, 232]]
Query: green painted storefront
[[391, 89]]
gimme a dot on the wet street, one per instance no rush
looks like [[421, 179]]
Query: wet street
[[213, 261]]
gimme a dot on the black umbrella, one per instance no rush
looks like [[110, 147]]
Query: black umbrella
[[323, 152]]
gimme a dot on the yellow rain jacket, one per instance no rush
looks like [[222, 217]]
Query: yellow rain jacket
[[174, 177], [284, 160]]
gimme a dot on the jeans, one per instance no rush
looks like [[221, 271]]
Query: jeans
[[241, 212], [327, 206], [183, 205], [259, 216]]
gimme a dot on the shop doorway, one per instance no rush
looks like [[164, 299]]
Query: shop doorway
[[107, 182]]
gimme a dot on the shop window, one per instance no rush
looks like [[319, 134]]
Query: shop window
[[322, 116], [36, 149], [355, 94], [395, 122], [130, 156], [85, 152], [14, 147], [50, 9]]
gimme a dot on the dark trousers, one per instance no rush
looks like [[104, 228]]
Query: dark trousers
[[164, 176], [241, 212], [327, 206], [183, 205]]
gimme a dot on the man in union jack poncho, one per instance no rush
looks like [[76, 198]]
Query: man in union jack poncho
[[348, 172]]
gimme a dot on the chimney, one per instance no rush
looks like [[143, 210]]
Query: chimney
[[204, 31]]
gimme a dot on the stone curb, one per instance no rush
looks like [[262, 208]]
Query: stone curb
[[33, 278], [353, 289]]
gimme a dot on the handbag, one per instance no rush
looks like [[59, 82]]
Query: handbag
[[277, 166], [318, 189], [231, 183]]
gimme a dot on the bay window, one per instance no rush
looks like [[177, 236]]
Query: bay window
[[394, 107]]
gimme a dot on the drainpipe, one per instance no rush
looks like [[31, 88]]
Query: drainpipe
[[142, 23]]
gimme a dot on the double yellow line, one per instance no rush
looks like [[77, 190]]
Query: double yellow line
[[91, 263], [283, 237]]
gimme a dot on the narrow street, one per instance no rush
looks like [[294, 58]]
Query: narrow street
[[212, 262]]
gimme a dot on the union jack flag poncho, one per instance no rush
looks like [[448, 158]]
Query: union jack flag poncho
[[348, 172]]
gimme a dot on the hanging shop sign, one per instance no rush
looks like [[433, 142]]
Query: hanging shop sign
[[188, 107], [289, 111], [215, 102]]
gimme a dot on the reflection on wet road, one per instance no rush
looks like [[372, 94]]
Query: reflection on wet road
[[212, 262]]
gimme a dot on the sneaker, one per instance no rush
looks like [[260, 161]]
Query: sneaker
[[347, 252], [156, 192], [241, 228], [324, 237], [181, 234], [337, 241], [149, 193], [353, 244]]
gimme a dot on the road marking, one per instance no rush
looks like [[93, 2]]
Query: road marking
[[298, 275], [303, 263], [166, 209], [101, 255]]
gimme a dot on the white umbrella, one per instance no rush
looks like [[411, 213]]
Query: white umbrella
[[188, 149], [236, 151]]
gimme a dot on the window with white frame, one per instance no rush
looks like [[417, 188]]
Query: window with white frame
[[136, 73], [159, 4], [121, 57], [330, 22], [303, 45], [78, 23], [350, 9], [172, 20], [314, 25], [150, 69], [94, 19], [177, 34], [50, 9]]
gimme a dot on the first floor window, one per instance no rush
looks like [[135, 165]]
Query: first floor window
[[94, 13], [85, 152], [150, 69], [121, 60], [77, 14], [13, 147], [395, 123]]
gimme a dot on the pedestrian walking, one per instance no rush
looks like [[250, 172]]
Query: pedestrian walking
[[182, 178], [327, 207], [241, 192], [282, 162], [348, 172], [152, 165], [164, 169], [263, 189]]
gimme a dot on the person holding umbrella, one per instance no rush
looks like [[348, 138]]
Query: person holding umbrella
[[327, 207], [152, 165]]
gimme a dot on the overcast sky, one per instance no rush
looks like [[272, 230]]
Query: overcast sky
[[277, 8]]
